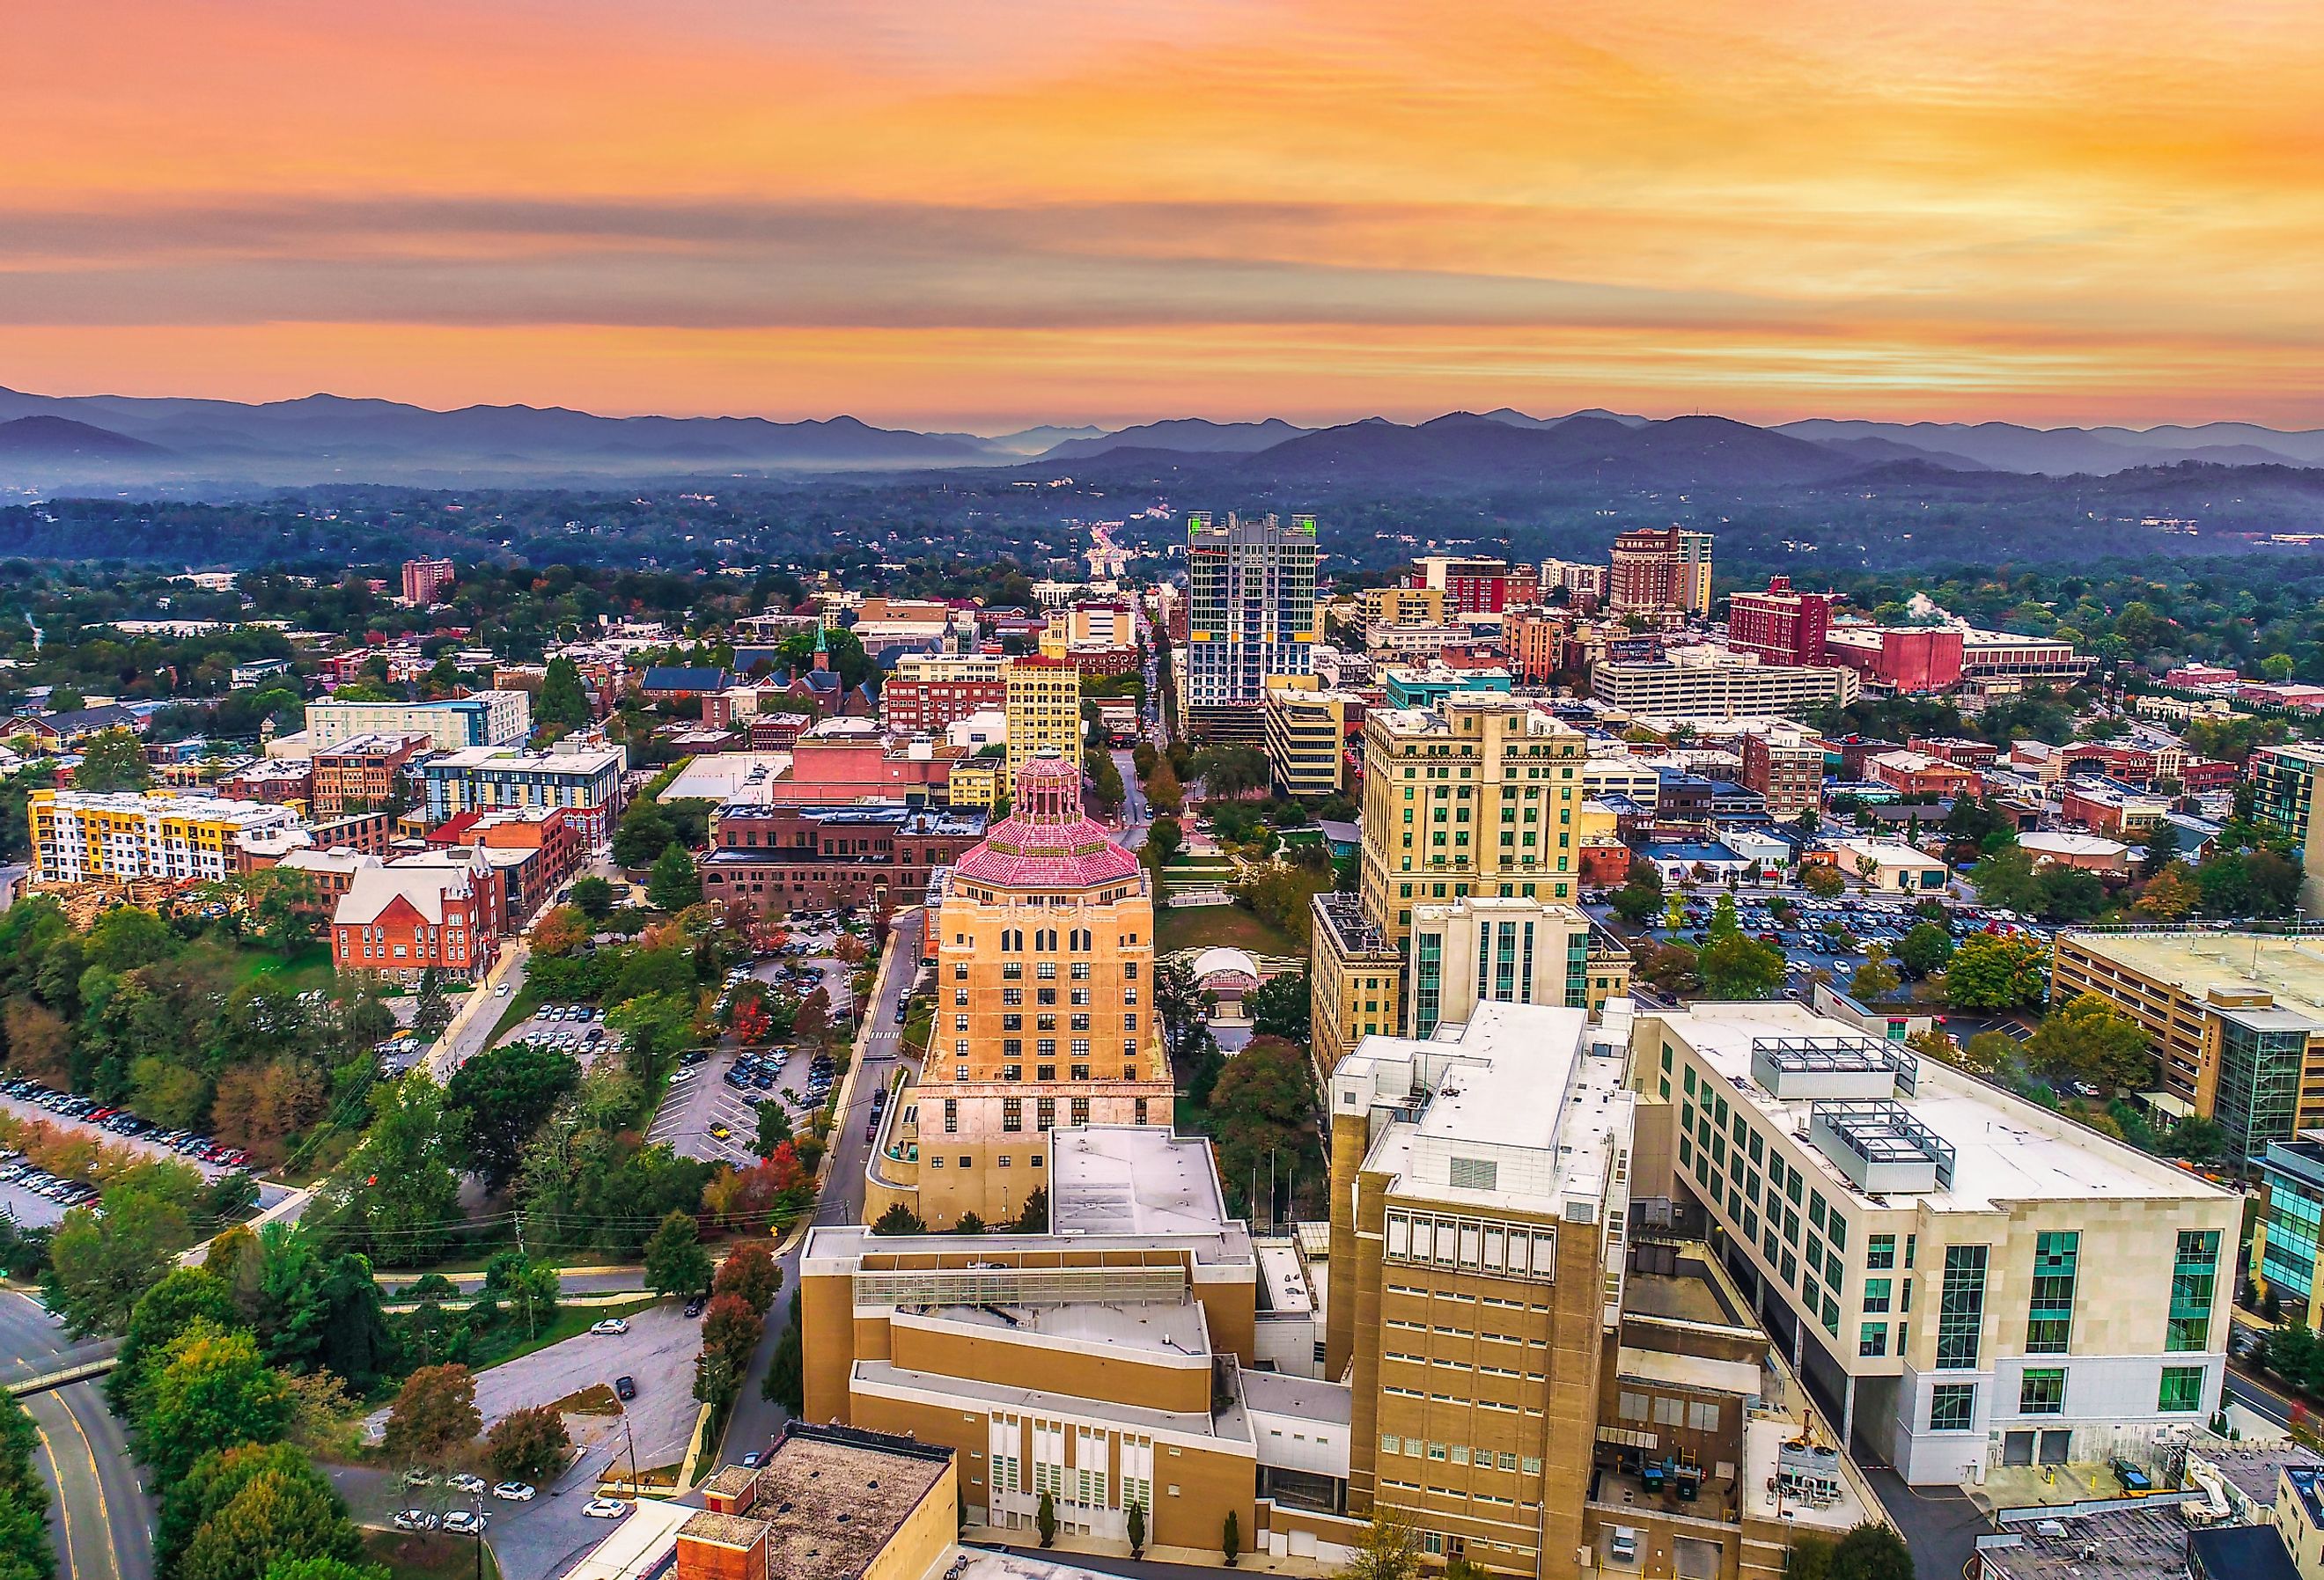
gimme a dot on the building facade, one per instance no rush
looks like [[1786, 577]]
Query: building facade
[[1042, 702], [585, 782], [767, 861], [364, 774], [1307, 735], [1250, 615], [1355, 975], [84, 837], [1045, 982], [424, 578], [928, 693], [484, 718], [1964, 1279], [1788, 773], [1779, 625], [1706, 682], [417, 914], [1488, 949]]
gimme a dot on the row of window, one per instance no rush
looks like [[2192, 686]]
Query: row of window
[[2041, 1391]]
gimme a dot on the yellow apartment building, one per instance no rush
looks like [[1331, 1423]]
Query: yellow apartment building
[[82, 836]]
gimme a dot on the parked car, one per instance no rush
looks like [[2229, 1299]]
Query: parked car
[[625, 1388], [467, 1481], [463, 1523], [604, 1509], [693, 1307], [414, 1520], [514, 1493], [611, 1325]]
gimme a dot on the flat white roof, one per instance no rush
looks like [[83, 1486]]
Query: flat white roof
[[1161, 1329], [1132, 1180], [2006, 1149], [1735, 1377]]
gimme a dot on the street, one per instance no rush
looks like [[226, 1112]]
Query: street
[[100, 1516], [756, 1420]]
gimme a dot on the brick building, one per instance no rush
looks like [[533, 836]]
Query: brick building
[[400, 919], [929, 692], [1788, 773], [1780, 625], [360, 773], [769, 860]]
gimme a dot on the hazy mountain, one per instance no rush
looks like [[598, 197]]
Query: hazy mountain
[[2008, 447], [1033, 442], [1516, 419], [40, 437], [1195, 435]]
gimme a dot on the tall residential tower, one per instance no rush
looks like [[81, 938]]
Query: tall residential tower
[[1250, 613]]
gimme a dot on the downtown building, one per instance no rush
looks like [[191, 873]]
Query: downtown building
[[1663, 573], [1251, 617], [586, 781], [1962, 1279], [1780, 626], [1710, 682], [482, 718], [85, 837]]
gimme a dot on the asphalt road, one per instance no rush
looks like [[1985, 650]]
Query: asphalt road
[[100, 1517], [756, 1420]]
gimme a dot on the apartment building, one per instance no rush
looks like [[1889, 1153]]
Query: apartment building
[[83, 836], [424, 578], [2236, 1021], [586, 781], [1660, 572], [1492, 949], [484, 718], [1307, 731], [1780, 626], [1045, 984], [1788, 773], [1921, 1243], [362, 774], [2288, 1241], [1477, 796], [1708, 682], [1250, 615], [927, 693], [1405, 606], [1480, 1206], [1472, 585], [2284, 787], [1535, 644], [1042, 698]]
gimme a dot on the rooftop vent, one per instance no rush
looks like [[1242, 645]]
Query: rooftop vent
[[1846, 1069]]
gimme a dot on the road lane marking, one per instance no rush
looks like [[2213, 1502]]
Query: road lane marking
[[97, 1475]]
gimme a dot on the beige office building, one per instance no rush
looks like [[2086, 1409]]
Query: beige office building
[[1307, 735], [1708, 682], [1355, 978], [1490, 949]]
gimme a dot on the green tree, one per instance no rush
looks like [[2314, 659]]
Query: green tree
[[434, 1415], [1166, 837], [527, 1289], [1281, 1007], [774, 1128], [1822, 882], [183, 1297], [642, 833], [528, 1445], [2007, 881], [674, 884], [397, 1193], [1044, 1518], [502, 1097], [1995, 971], [1231, 1539], [213, 1391], [2162, 848], [1262, 1106], [1876, 979], [1389, 1549], [113, 760], [675, 1262], [1636, 904], [562, 703], [213, 1482], [279, 1514], [786, 1382], [899, 1219], [2070, 894], [2086, 1038], [325, 1569], [1925, 949], [1739, 967], [26, 1552], [103, 1260], [1871, 1551], [594, 896], [1134, 1520]]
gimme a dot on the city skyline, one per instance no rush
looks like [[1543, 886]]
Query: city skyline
[[1024, 214]]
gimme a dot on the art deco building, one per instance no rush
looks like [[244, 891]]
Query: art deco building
[[1045, 994]]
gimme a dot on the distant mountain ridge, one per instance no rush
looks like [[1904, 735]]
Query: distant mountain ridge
[[47, 441]]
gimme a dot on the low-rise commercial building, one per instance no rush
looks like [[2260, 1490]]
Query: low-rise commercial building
[[829, 1504], [767, 860], [1307, 730], [1789, 774], [1929, 1248], [1890, 864], [364, 774], [1708, 682]]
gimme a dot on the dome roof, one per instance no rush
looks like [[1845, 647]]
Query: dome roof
[[1221, 961], [1047, 841]]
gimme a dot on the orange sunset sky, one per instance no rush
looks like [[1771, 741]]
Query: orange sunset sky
[[1051, 210]]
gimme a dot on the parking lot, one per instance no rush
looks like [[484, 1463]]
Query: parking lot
[[578, 1030], [1808, 940]]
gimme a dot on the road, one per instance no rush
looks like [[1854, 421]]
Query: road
[[480, 1010], [879, 1047], [100, 1516]]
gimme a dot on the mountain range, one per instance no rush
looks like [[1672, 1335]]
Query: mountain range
[[47, 442]]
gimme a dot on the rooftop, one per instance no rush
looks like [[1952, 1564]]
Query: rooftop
[[1229, 1426], [2199, 962], [1132, 1180], [833, 1500], [1989, 1148], [1158, 1328], [511, 757]]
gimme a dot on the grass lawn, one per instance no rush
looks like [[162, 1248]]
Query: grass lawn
[[526, 1000], [571, 1322], [1200, 927], [427, 1556], [309, 967]]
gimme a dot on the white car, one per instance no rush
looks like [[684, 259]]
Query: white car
[[463, 1523], [611, 1325], [605, 1509], [514, 1493], [468, 1482], [414, 1520]]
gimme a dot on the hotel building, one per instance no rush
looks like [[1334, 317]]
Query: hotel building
[[484, 718]]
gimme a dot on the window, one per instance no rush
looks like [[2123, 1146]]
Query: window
[[1876, 1295], [1961, 1309], [1872, 1339], [2182, 1389], [2192, 1278], [2050, 1302], [2041, 1391], [1953, 1407]]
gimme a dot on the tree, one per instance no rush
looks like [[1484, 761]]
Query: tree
[[1033, 1217], [2172, 894], [527, 1289], [676, 1263], [1924, 949], [751, 1274], [774, 1128], [674, 884], [528, 1445], [594, 896], [1822, 882], [1871, 1551], [282, 1513], [502, 1097], [2007, 879], [1262, 1106], [2070, 894], [562, 703], [2086, 1038], [325, 1569], [1231, 1539], [397, 1192], [730, 1331], [2162, 848], [434, 1414], [1281, 1007], [1636, 904], [968, 1223], [1135, 1520], [899, 1219], [1165, 838], [26, 1551], [786, 1382], [183, 1297], [1389, 1549], [1739, 967], [1876, 979], [1163, 791], [101, 1262], [1995, 971], [113, 760], [1179, 1003], [213, 1391], [1044, 1519]]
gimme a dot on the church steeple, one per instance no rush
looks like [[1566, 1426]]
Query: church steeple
[[822, 652]]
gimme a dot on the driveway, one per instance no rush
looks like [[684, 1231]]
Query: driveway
[[1940, 1525]]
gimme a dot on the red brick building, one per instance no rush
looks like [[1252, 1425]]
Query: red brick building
[[1788, 776], [532, 850], [360, 773], [927, 693], [279, 781], [769, 860], [1780, 625], [424, 578], [1535, 644], [418, 912], [1906, 658]]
